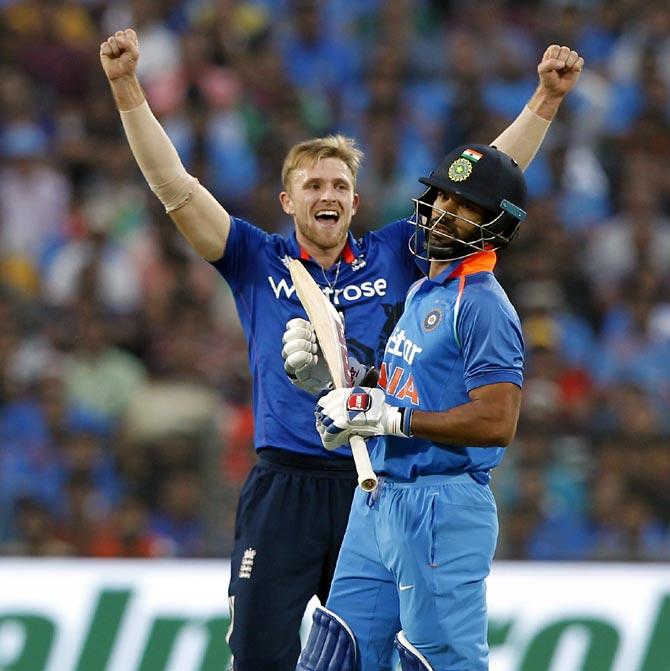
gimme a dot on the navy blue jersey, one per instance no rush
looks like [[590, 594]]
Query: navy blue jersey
[[459, 331], [369, 286]]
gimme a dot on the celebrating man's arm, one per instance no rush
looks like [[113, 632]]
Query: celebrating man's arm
[[559, 71], [199, 217]]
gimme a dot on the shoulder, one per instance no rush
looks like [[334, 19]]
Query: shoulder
[[390, 234], [248, 235], [483, 295]]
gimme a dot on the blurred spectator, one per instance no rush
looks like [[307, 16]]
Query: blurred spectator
[[125, 412], [34, 198], [35, 533], [126, 533], [98, 376], [178, 521]]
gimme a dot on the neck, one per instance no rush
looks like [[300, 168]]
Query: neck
[[436, 267], [326, 258]]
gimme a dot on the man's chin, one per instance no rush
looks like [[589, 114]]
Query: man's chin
[[329, 238]]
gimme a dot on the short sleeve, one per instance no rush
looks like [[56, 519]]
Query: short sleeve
[[245, 242], [489, 332]]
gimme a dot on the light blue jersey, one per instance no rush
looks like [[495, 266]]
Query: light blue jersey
[[458, 332], [418, 549]]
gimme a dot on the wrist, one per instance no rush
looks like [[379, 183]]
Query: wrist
[[545, 103], [400, 421], [127, 92]]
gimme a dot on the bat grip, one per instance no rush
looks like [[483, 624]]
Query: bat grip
[[367, 479]]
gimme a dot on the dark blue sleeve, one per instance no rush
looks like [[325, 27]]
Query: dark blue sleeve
[[239, 261], [489, 332], [395, 237]]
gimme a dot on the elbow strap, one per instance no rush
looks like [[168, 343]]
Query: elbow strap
[[157, 158]]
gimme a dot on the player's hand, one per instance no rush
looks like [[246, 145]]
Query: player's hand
[[303, 361], [361, 411], [119, 54], [559, 70], [304, 364]]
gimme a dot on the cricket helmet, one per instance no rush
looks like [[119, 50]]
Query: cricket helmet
[[482, 175]]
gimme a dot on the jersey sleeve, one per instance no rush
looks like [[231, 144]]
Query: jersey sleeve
[[239, 262], [489, 333], [395, 237]]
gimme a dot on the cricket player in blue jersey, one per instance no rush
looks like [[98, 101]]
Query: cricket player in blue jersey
[[418, 549], [294, 506]]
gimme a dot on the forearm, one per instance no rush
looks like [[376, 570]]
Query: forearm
[[544, 103], [524, 136], [199, 217], [127, 93], [473, 424]]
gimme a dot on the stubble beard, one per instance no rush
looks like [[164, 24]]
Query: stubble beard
[[325, 241]]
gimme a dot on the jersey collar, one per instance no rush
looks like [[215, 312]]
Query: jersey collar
[[349, 254], [479, 262]]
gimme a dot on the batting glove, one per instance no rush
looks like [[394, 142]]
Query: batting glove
[[360, 411], [304, 364]]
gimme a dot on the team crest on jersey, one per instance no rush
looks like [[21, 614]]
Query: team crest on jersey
[[460, 170], [359, 402], [432, 319], [358, 263]]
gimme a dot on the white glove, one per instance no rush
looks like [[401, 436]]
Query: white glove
[[358, 411], [304, 363]]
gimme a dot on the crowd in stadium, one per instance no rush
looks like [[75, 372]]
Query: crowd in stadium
[[125, 419]]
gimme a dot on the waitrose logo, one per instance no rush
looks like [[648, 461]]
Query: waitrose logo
[[173, 616]]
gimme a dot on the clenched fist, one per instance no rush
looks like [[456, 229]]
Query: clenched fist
[[119, 54], [559, 69]]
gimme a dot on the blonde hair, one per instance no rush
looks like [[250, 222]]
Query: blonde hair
[[311, 151]]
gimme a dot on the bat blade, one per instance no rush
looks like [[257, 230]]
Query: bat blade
[[330, 334]]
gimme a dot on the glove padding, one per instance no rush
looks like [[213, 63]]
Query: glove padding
[[304, 363], [303, 360], [361, 411]]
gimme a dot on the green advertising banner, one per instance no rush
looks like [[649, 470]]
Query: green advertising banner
[[173, 616]]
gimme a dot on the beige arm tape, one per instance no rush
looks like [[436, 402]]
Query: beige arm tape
[[523, 137], [157, 158]]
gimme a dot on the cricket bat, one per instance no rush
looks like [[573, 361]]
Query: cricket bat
[[330, 334]]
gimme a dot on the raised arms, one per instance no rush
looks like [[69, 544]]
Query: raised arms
[[198, 216], [559, 70]]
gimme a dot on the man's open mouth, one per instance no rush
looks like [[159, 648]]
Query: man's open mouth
[[327, 216]]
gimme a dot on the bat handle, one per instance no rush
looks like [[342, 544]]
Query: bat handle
[[366, 476]]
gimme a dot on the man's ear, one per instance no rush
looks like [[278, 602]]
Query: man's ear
[[356, 203], [286, 203]]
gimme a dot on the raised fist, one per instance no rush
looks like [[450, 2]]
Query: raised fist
[[559, 69], [119, 54]]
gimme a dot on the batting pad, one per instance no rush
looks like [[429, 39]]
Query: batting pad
[[331, 645], [410, 658]]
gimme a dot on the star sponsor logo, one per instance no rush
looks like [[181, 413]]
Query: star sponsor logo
[[400, 345]]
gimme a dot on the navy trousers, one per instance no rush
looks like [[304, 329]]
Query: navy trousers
[[291, 518]]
